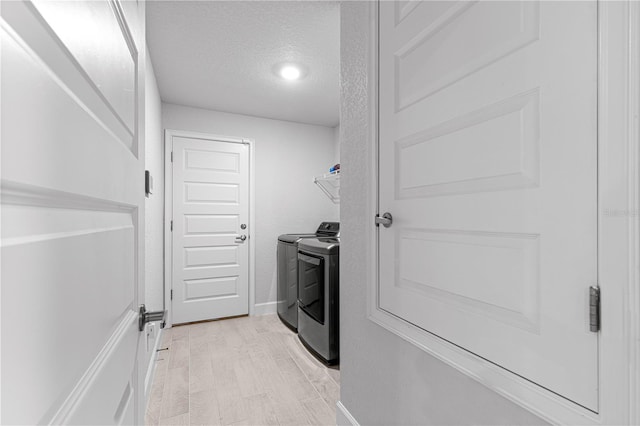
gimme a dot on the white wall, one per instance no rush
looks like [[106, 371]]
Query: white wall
[[154, 212], [336, 144], [384, 379], [154, 205], [287, 156]]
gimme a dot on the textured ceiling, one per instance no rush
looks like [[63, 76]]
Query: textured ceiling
[[221, 55]]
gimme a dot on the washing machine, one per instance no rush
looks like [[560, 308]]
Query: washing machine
[[318, 297], [287, 270]]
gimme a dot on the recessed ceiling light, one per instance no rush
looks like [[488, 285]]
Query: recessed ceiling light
[[290, 72]]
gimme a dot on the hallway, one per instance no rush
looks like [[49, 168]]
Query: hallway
[[247, 370]]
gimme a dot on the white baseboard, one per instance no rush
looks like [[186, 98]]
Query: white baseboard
[[151, 369], [265, 308], [344, 417]]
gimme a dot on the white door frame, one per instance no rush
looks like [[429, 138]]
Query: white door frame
[[168, 213], [618, 231]]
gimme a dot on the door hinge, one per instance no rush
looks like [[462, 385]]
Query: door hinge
[[172, 156], [171, 294], [594, 309], [171, 225]]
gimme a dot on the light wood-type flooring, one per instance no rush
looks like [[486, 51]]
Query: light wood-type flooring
[[240, 371]]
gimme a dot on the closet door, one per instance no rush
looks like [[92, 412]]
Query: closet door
[[488, 164]]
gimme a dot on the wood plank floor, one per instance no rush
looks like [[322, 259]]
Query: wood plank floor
[[240, 371]]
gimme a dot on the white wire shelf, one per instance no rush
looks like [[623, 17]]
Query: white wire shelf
[[329, 183]]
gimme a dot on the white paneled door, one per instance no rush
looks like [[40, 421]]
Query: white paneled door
[[210, 228], [488, 164], [72, 211]]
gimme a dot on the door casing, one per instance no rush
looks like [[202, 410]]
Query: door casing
[[168, 212], [618, 233]]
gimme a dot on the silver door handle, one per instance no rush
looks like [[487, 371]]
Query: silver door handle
[[386, 220], [241, 239]]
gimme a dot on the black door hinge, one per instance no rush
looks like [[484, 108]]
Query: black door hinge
[[171, 294], [594, 309]]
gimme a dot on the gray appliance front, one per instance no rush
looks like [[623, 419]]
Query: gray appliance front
[[288, 283], [318, 315]]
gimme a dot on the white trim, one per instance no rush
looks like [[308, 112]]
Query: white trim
[[372, 236], [634, 172], [151, 369], [168, 216], [252, 223], [634, 279], [344, 417], [618, 106], [619, 241], [264, 308], [168, 212], [139, 149]]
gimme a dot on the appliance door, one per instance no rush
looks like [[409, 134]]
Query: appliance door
[[311, 285]]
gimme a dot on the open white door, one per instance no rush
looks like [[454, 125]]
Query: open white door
[[72, 211], [488, 164], [210, 236]]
